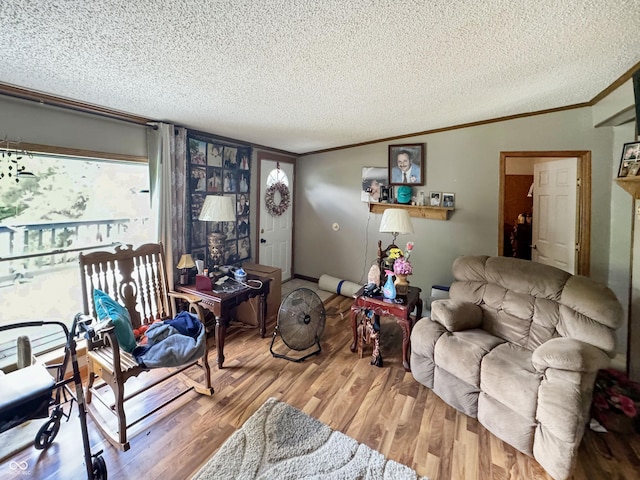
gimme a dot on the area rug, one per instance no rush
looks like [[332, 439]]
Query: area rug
[[280, 442]]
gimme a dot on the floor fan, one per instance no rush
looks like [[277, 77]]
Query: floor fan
[[300, 323]]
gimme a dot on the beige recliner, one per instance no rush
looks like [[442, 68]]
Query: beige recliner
[[518, 345]]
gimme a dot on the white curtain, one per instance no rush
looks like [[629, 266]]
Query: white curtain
[[167, 173]]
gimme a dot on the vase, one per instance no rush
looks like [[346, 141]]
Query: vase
[[389, 289], [402, 285]]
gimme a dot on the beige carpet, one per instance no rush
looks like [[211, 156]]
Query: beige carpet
[[280, 442]]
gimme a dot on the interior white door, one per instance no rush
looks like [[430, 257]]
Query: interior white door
[[276, 232], [554, 213]]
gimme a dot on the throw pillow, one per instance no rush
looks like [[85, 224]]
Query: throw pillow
[[107, 308]]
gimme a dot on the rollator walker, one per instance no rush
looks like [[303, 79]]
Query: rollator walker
[[34, 392]]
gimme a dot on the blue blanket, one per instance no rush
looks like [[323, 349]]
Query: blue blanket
[[173, 342]]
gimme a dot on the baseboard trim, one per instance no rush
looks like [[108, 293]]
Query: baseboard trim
[[308, 279]]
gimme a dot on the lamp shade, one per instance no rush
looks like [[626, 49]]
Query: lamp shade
[[186, 261], [396, 220], [217, 208]]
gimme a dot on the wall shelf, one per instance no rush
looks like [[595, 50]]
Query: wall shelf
[[631, 185], [418, 211]]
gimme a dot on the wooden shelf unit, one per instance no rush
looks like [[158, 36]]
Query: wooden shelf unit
[[631, 185], [418, 211]]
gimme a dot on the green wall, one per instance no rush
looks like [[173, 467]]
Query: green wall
[[464, 161]]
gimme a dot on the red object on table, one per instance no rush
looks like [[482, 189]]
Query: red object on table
[[203, 283], [383, 307]]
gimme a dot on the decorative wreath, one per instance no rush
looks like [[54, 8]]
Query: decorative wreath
[[285, 197]]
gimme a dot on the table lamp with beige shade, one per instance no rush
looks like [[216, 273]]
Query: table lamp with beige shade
[[395, 221], [217, 208], [185, 264]]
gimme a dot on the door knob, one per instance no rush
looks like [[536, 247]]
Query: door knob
[[534, 247], [262, 240]]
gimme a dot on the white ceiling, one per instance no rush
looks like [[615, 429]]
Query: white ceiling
[[308, 75]]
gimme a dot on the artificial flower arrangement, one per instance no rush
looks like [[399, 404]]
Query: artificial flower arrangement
[[615, 397], [401, 264]]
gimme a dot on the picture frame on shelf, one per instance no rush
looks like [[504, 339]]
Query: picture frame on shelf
[[634, 169], [435, 199], [630, 154], [386, 194], [449, 200], [373, 179], [407, 164]]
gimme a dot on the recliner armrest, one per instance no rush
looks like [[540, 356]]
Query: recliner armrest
[[569, 354], [455, 315]]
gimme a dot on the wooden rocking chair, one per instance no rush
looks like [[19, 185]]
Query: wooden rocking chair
[[136, 278]]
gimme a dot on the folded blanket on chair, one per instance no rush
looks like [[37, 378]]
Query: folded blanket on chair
[[172, 343]]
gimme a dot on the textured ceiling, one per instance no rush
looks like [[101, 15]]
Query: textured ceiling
[[308, 75]]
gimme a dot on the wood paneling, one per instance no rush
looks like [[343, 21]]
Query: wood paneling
[[516, 201]]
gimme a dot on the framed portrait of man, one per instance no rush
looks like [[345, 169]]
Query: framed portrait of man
[[407, 164]]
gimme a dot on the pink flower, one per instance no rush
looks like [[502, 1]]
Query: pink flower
[[409, 249], [627, 406], [402, 266], [615, 392]]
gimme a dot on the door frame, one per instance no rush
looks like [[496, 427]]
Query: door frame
[[274, 157], [583, 207]]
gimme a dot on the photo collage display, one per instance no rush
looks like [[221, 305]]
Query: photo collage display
[[219, 169]]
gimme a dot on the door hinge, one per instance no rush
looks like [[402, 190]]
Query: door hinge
[[577, 247], [578, 182]]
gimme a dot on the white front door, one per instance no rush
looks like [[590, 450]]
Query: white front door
[[554, 213], [276, 232]]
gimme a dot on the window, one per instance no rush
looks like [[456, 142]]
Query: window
[[72, 205], [277, 175]]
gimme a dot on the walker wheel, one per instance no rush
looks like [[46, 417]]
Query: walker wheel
[[47, 433], [99, 468]]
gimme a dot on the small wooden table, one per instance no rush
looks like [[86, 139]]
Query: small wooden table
[[383, 307], [223, 303]]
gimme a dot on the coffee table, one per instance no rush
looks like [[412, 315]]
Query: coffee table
[[383, 307]]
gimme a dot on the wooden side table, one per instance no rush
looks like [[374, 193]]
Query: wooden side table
[[383, 307], [222, 304]]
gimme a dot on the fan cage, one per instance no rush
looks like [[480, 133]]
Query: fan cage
[[301, 319]]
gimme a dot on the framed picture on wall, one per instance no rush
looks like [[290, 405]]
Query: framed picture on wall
[[214, 180], [244, 248], [197, 151], [215, 168], [198, 179], [407, 164], [214, 155]]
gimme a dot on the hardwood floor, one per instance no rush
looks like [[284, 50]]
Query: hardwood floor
[[385, 408]]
